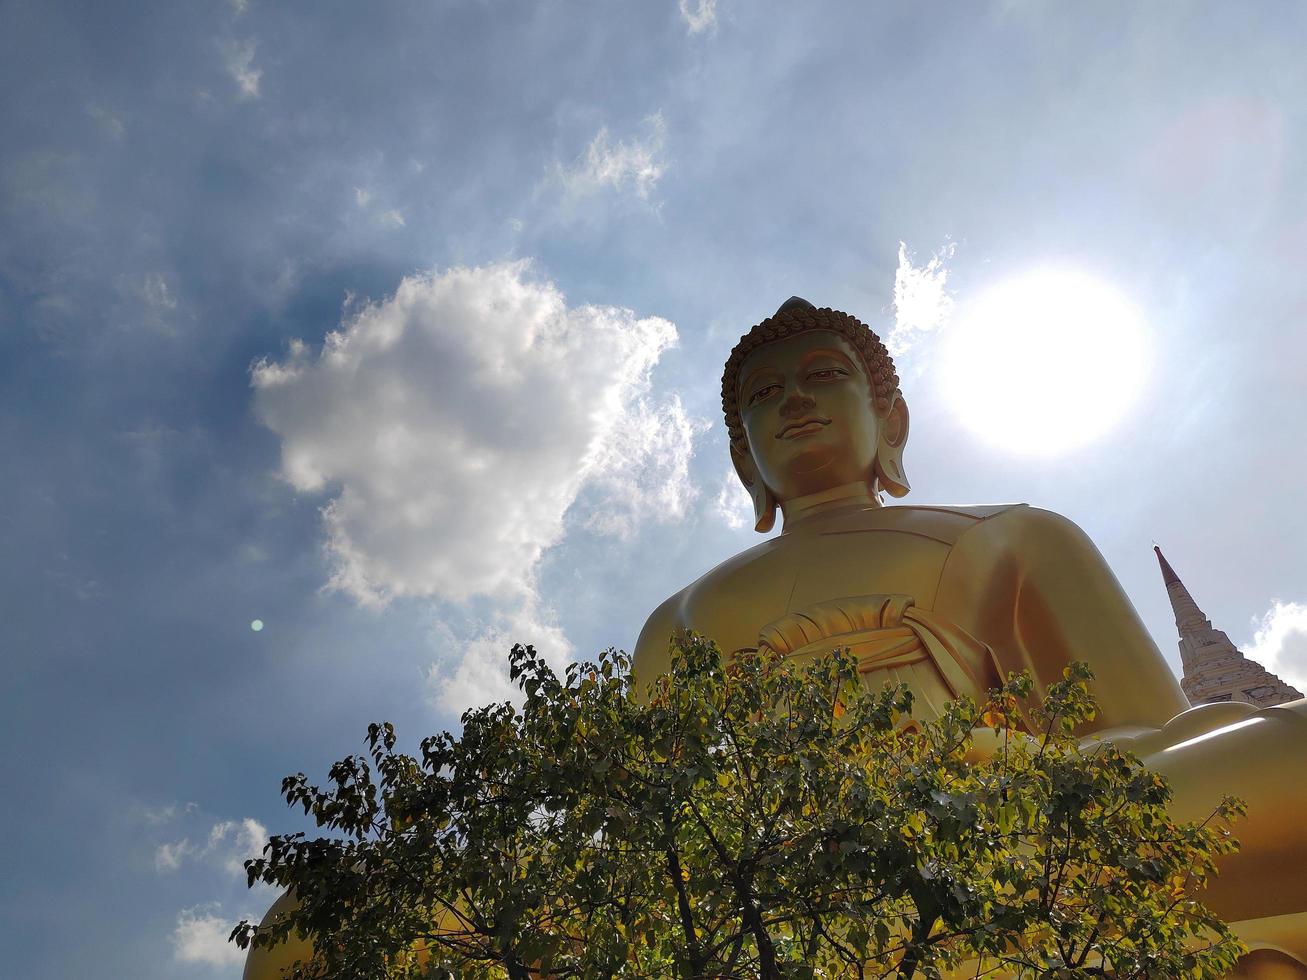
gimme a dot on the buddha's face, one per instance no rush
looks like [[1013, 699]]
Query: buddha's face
[[808, 413]]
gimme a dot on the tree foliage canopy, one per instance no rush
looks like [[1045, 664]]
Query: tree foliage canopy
[[757, 819]]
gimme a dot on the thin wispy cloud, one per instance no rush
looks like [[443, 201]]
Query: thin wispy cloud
[[731, 503], [635, 164], [365, 198], [159, 815], [922, 303], [641, 472], [157, 295], [228, 845], [699, 15], [109, 121], [148, 301], [238, 59], [471, 666], [169, 857], [235, 842]]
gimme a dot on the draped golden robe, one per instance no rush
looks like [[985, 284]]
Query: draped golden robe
[[894, 642]]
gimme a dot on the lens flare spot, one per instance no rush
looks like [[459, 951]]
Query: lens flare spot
[[257, 625]]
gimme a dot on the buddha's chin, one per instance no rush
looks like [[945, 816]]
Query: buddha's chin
[[816, 471], [811, 462]]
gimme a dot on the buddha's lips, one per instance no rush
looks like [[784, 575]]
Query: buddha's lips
[[789, 427]]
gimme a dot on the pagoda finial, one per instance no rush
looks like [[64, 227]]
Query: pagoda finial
[[1188, 617], [1168, 573]]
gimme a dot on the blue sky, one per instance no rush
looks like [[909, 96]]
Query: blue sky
[[399, 326]]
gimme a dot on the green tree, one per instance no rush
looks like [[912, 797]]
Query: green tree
[[756, 819]]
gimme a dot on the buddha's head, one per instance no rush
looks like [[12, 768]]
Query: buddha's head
[[812, 403]]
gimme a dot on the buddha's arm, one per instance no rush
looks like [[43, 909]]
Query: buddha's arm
[[271, 964], [1260, 756], [1033, 586], [653, 656]]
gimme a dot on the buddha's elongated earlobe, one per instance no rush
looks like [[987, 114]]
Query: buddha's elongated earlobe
[[764, 503], [887, 472]]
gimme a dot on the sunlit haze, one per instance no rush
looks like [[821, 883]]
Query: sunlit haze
[[1045, 361]]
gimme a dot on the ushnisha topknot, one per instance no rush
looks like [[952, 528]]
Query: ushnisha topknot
[[797, 316]]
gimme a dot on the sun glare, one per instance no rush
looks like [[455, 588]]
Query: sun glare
[[1046, 361]]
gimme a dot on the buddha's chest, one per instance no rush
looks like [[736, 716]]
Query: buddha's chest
[[794, 574]]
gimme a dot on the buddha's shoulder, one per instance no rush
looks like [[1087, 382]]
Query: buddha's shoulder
[[981, 537], [1006, 527], [675, 614], [670, 615], [944, 523]]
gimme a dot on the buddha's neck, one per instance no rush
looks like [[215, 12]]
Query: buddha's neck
[[850, 496]]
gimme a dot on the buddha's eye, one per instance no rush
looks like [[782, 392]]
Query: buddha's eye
[[827, 374], [763, 392]]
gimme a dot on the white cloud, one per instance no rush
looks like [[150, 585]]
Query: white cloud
[[732, 503], [642, 471], [108, 120], [1280, 642], [168, 857], [636, 164], [201, 937], [238, 57], [476, 673], [252, 552], [234, 842], [149, 303], [699, 15], [393, 217], [229, 844], [218, 855], [155, 293], [362, 196], [456, 423], [239, 7], [922, 304], [159, 815]]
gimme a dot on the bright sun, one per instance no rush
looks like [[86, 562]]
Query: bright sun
[[1045, 361]]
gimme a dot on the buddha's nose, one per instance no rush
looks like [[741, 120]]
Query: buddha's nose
[[796, 403]]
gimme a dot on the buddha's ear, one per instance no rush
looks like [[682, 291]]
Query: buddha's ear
[[889, 473], [764, 504]]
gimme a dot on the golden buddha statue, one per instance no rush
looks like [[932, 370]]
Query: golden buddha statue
[[949, 599]]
